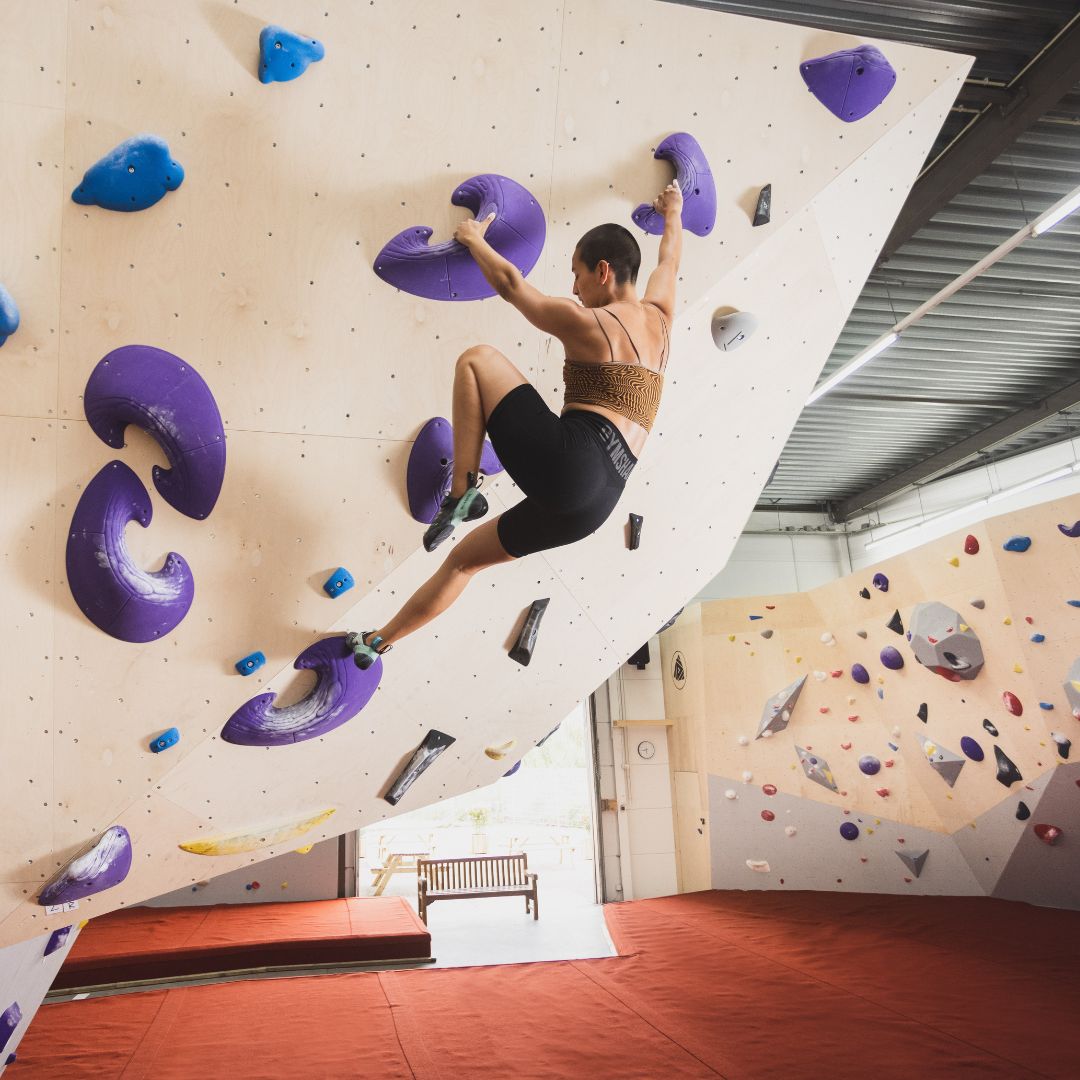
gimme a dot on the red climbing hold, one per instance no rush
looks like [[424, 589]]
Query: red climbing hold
[[971, 545], [882, 791], [769, 789], [823, 708], [836, 674], [1028, 619], [1048, 834], [767, 815], [1012, 703]]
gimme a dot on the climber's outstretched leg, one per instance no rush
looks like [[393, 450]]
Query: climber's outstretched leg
[[475, 552]]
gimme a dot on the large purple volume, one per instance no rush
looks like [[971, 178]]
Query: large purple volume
[[850, 83], [431, 468], [447, 271], [100, 867], [695, 180], [340, 692], [113, 592], [166, 397]]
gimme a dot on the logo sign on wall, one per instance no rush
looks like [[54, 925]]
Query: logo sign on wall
[[678, 670]]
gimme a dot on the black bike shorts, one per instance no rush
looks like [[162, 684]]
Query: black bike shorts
[[572, 468]]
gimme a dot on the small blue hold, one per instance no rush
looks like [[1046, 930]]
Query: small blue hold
[[1073, 603], [9, 315], [284, 55], [754, 618], [338, 582], [893, 746], [1046, 705], [165, 740], [134, 176], [250, 663], [1017, 543], [881, 693], [1038, 638]]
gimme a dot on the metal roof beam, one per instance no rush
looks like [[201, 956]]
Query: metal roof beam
[[951, 456], [1037, 89]]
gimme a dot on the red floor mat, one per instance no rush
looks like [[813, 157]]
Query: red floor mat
[[762, 986], [151, 943]]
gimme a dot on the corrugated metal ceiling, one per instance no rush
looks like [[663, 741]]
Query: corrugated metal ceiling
[[1004, 342]]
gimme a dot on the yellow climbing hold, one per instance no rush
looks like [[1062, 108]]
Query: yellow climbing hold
[[954, 561], [1018, 669], [252, 841], [497, 753], [731, 637], [303, 850], [964, 628], [798, 659], [1007, 620]]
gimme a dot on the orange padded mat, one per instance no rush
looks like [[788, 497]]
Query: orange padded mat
[[748, 986], [152, 943]]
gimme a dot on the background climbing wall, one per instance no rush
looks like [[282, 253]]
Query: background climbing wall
[[723, 660], [257, 271]]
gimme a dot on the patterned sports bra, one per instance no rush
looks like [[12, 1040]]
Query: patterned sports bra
[[631, 390]]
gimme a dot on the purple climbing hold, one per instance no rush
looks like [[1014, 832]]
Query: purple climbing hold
[[10, 1019], [850, 83], [891, 658], [341, 690], [869, 765], [513, 769], [1072, 531], [57, 940], [112, 591], [1007, 772], [881, 583], [695, 181], [1017, 543], [168, 399], [860, 674], [431, 468], [971, 748], [447, 271], [1022, 811], [849, 830], [101, 866]]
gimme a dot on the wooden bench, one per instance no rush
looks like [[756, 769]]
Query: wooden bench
[[477, 875]]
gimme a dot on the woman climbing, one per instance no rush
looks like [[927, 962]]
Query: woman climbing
[[572, 467]]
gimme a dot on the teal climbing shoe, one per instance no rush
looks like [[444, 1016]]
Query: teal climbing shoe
[[468, 507], [365, 654]]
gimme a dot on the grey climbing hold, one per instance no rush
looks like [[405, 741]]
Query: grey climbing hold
[[896, 624], [816, 768], [522, 651], [1023, 812], [1007, 772], [763, 210], [766, 634], [913, 860], [944, 762], [977, 603], [990, 728], [776, 713], [944, 643], [861, 633], [730, 329]]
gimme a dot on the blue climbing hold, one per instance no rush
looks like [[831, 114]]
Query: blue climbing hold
[[880, 694], [893, 746], [284, 56], [849, 830], [971, 748], [251, 662], [338, 582], [1038, 638], [165, 740], [1073, 603], [1017, 543], [513, 769], [9, 315], [754, 618], [1046, 705], [132, 177]]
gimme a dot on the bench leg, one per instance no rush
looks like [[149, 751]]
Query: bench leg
[[535, 904]]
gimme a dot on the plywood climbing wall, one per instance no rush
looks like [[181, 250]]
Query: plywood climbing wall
[[775, 825], [257, 271]]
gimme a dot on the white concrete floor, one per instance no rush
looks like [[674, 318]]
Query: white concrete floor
[[497, 930]]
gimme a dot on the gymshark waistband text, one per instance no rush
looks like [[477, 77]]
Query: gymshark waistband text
[[616, 450]]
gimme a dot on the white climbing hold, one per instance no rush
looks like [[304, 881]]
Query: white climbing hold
[[790, 830], [759, 866], [821, 676], [730, 794], [747, 776], [827, 638], [743, 740]]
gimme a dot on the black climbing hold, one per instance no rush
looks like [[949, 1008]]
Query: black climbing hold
[[523, 647], [896, 624], [764, 206], [864, 592], [641, 658], [435, 742], [924, 713], [671, 622], [1007, 772], [990, 728], [1022, 811], [635, 531]]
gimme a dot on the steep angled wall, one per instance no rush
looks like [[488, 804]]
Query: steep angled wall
[[764, 809], [257, 271]]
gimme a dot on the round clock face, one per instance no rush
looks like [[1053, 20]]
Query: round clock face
[[646, 749]]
